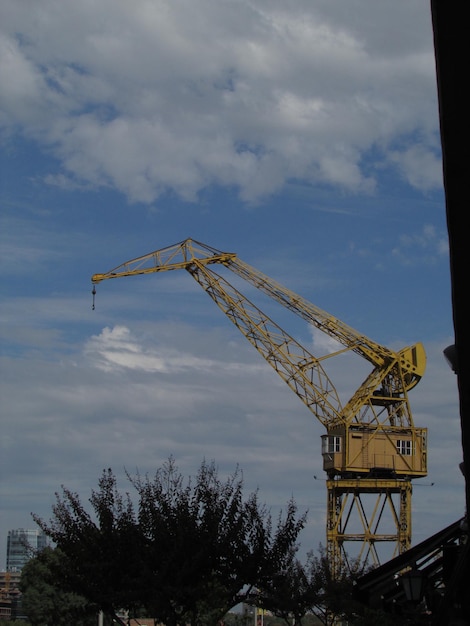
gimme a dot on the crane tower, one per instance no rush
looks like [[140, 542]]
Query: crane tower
[[371, 450]]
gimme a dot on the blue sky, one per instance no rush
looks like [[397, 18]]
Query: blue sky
[[301, 135]]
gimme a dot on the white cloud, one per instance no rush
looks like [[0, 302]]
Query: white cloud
[[117, 348], [420, 165], [421, 248], [179, 96]]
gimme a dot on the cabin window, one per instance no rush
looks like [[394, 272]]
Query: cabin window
[[331, 444], [404, 446]]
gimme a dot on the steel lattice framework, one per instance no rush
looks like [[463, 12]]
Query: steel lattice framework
[[371, 447]]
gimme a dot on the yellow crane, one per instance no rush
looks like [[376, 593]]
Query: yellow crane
[[371, 448]]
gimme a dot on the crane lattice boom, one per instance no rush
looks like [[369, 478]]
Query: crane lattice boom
[[371, 445], [383, 393]]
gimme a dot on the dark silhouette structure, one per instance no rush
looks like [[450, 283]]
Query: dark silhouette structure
[[438, 569]]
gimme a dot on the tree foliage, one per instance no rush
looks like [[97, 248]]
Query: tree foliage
[[291, 592], [300, 592], [41, 599], [185, 553]]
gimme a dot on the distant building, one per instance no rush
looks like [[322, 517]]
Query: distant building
[[10, 595], [22, 544]]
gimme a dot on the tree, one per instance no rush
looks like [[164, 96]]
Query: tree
[[334, 598], [299, 590], [44, 602], [222, 546], [187, 553], [291, 592], [99, 561]]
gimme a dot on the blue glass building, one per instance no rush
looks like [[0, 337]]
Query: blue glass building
[[22, 544]]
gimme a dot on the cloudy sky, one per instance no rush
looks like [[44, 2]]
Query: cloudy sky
[[302, 135]]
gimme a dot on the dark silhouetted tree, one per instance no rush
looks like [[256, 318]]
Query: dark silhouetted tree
[[291, 592], [334, 600], [101, 562], [187, 553], [42, 599]]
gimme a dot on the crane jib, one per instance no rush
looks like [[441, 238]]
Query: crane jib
[[404, 369], [372, 445]]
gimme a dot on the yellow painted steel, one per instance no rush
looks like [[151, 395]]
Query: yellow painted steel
[[371, 445], [390, 500]]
